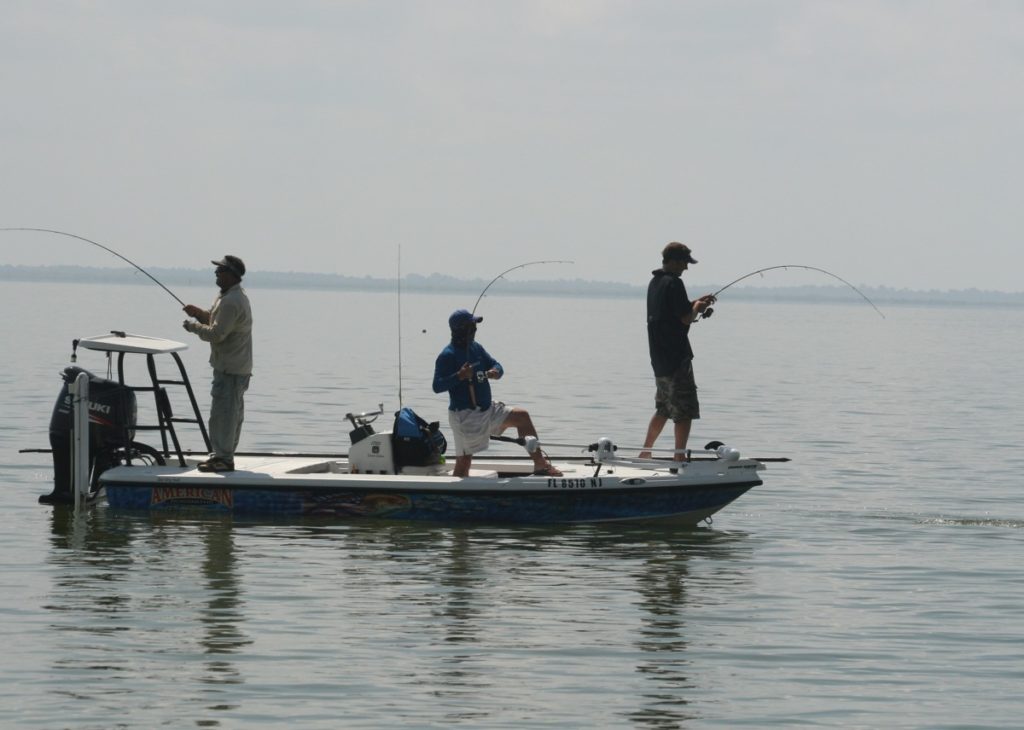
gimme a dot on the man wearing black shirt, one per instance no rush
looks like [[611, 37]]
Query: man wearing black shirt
[[669, 315]]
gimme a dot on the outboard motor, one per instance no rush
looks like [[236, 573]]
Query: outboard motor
[[112, 418]]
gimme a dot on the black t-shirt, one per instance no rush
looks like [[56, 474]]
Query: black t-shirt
[[667, 336]]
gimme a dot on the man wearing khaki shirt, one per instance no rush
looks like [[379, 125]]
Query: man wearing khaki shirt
[[228, 329]]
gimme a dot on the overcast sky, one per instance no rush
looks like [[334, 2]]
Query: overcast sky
[[879, 140]]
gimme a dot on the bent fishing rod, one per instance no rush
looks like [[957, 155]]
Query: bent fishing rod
[[502, 274], [105, 248], [709, 311], [472, 389]]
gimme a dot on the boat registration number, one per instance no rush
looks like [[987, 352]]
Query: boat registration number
[[579, 483]]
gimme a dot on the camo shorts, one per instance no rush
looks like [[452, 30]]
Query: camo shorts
[[676, 397]]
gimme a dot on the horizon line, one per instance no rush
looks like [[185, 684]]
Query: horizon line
[[437, 281]]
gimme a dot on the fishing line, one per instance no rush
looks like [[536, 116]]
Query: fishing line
[[105, 248], [528, 263], [709, 311]]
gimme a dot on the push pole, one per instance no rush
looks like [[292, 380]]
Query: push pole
[[80, 441]]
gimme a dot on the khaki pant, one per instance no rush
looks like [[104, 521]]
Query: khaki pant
[[227, 411]]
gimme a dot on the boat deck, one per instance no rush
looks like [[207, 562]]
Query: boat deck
[[282, 472]]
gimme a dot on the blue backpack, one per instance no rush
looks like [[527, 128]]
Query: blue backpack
[[416, 442]]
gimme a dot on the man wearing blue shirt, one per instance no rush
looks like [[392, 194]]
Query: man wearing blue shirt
[[464, 369]]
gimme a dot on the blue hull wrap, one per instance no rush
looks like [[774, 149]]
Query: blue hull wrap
[[494, 507]]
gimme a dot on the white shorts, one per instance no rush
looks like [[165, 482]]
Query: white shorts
[[472, 429]]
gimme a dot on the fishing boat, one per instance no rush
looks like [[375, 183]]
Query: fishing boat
[[101, 453]]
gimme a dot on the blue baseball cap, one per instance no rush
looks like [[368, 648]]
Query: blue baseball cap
[[460, 318]]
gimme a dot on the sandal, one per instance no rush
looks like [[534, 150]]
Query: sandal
[[547, 471], [216, 464]]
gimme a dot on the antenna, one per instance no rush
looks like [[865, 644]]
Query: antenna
[[399, 326]]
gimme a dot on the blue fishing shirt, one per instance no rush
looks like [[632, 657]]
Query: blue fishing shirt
[[446, 375]]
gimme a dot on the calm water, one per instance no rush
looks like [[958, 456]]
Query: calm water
[[875, 581]]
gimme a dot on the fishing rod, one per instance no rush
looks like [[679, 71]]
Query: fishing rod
[[472, 388], [105, 248], [708, 312], [531, 443], [520, 266]]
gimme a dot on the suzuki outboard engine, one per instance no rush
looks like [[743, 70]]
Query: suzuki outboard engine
[[112, 414]]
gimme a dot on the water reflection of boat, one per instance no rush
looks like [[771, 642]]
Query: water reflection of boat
[[375, 479]]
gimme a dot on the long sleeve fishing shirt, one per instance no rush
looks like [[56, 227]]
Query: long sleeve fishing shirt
[[462, 392], [667, 335], [229, 332]]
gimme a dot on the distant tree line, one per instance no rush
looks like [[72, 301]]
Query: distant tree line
[[511, 286]]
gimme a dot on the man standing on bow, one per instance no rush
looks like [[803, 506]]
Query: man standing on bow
[[464, 368], [669, 316], [228, 329]]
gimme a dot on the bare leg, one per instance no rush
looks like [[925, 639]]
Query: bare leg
[[682, 433], [653, 431], [462, 464], [524, 425]]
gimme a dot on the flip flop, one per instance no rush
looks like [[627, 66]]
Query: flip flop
[[547, 471]]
